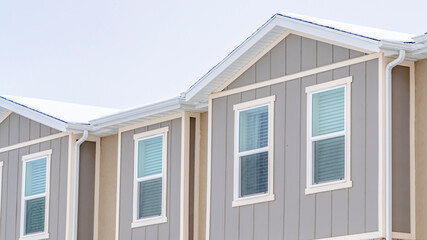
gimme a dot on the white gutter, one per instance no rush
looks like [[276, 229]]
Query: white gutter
[[388, 147], [76, 182]]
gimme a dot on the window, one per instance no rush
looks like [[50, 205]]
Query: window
[[150, 178], [253, 162], [328, 136], [35, 195]]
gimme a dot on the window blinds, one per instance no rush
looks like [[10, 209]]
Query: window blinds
[[328, 119], [150, 161], [253, 136], [35, 184]]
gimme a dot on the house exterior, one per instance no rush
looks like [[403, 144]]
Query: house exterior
[[287, 138]]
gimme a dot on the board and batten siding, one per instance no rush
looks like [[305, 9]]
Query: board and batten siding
[[293, 214], [163, 231], [401, 150], [17, 129]]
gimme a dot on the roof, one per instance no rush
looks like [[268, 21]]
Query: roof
[[58, 115], [359, 37], [104, 121]]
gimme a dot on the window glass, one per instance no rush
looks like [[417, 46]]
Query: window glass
[[253, 136]]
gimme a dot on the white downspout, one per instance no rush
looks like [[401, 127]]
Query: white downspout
[[388, 146], [76, 183]]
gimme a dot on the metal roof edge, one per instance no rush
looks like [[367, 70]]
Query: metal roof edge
[[33, 114]]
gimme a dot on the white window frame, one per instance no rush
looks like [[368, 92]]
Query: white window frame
[[26, 159], [269, 196], [339, 184], [158, 219]]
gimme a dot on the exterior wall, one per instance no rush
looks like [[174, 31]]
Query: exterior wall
[[312, 49], [86, 190], [200, 184], [294, 215], [170, 229], [17, 129], [420, 148], [108, 187], [401, 151]]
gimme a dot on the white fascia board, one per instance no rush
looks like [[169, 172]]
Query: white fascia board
[[34, 115], [413, 51], [144, 111], [230, 58], [329, 33], [285, 23]]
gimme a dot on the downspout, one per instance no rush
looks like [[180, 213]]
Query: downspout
[[76, 183], [388, 140]]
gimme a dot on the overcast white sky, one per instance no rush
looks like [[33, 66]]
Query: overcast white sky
[[125, 53]]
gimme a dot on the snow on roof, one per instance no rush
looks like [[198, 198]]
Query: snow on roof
[[368, 32], [63, 111]]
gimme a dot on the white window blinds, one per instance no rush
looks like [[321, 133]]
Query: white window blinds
[[150, 176], [328, 135], [35, 195], [253, 150]]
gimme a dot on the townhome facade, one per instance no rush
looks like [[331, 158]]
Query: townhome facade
[[287, 138]]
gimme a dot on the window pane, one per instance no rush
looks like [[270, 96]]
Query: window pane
[[329, 159], [150, 198], [34, 215], [328, 111], [253, 129], [35, 177], [254, 174], [150, 154]]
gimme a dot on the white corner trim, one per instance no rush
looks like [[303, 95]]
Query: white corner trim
[[269, 196], [26, 159], [140, 137], [346, 182], [209, 172]]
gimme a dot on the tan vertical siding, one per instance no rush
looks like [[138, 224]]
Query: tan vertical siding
[[420, 148], [107, 185]]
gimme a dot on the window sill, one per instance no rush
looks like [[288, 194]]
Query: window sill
[[328, 187], [253, 200], [149, 221], [37, 236]]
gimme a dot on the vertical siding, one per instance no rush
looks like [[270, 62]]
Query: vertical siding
[[401, 151], [164, 231], [17, 129], [86, 190], [293, 214], [313, 53]]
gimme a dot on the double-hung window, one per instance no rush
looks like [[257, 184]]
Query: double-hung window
[[35, 195], [150, 178], [253, 145], [328, 138]]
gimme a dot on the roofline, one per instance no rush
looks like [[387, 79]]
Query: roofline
[[286, 22], [33, 114], [176, 103]]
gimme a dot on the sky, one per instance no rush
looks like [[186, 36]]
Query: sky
[[122, 54]]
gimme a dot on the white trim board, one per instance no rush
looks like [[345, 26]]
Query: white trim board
[[35, 141]]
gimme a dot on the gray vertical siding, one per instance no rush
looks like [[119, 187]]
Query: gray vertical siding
[[86, 190], [17, 129], [293, 214], [401, 151], [170, 229], [313, 53]]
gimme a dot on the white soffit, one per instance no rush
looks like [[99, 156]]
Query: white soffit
[[267, 34]]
